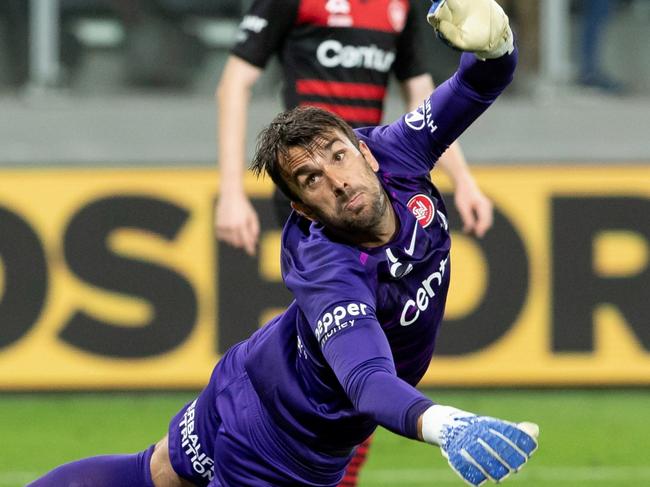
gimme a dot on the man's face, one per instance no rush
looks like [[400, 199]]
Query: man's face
[[337, 184]]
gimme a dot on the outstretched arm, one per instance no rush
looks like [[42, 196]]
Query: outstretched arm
[[478, 448], [474, 207], [426, 133]]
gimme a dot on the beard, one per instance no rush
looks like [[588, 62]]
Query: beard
[[362, 222]]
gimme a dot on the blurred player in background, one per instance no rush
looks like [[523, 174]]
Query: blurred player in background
[[595, 17], [366, 255], [336, 55]]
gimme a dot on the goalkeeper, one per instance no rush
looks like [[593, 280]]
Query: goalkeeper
[[366, 255]]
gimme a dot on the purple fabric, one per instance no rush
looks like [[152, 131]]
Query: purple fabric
[[102, 471], [313, 383], [411, 145], [369, 378], [486, 79], [191, 449], [225, 438], [290, 404]]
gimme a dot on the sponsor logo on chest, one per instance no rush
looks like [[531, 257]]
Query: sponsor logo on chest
[[332, 53], [423, 296]]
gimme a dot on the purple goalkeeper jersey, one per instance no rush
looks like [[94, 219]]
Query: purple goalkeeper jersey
[[346, 354]]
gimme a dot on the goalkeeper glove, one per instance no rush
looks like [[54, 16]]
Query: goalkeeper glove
[[479, 448], [478, 26]]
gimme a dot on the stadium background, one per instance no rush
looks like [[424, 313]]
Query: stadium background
[[115, 296]]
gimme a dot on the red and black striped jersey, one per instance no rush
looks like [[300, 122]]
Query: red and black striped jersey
[[335, 54]]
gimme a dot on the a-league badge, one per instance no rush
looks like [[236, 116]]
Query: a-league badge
[[422, 208]]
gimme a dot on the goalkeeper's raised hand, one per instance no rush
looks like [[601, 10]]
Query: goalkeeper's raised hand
[[479, 448], [478, 26]]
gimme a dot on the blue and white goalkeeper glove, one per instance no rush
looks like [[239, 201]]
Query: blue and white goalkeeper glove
[[478, 26], [479, 448]]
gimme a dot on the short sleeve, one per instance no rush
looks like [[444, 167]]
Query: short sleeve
[[263, 30], [409, 61]]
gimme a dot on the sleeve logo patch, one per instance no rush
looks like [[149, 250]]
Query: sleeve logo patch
[[339, 318], [253, 23], [422, 208], [415, 119]]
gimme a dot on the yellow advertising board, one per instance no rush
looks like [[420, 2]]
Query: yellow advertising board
[[112, 278]]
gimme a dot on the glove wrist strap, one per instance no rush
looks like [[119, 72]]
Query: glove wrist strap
[[437, 420]]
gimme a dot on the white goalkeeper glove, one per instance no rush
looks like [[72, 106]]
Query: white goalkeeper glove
[[479, 448], [478, 26]]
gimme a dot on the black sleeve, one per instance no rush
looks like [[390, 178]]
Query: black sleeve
[[409, 60], [263, 30]]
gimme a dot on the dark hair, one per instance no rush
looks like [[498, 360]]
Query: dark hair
[[300, 127]]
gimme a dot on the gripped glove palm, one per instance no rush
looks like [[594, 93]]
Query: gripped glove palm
[[478, 26], [479, 448]]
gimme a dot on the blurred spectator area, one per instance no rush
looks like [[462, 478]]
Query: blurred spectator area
[[162, 43], [105, 45], [135, 78], [110, 45]]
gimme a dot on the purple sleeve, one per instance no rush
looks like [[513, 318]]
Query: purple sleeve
[[334, 292], [421, 136], [329, 283], [460, 100], [362, 361]]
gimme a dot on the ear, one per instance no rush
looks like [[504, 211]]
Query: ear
[[303, 210], [365, 151]]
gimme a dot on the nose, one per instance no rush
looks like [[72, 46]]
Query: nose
[[337, 181]]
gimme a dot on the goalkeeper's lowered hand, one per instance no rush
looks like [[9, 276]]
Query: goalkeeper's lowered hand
[[479, 448], [478, 26]]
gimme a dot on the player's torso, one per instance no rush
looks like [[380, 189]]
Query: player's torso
[[410, 278], [285, 362], [339, 55], [413, 275]]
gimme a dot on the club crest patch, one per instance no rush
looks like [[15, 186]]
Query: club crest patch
[[397, 15], [422, 208]]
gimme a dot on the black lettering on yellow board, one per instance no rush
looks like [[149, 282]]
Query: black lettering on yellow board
[[89, 257], [25, 277], [243, 294], [578, 284], [577, 289]]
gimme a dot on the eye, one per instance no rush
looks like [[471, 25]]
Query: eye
[[339, 156], [311, 180]]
